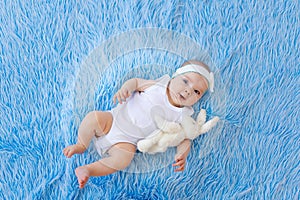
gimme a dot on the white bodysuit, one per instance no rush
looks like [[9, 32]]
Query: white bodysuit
[[133, 120]]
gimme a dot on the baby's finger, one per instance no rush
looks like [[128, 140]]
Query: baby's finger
[[115, 98], [178, 163], [124, 95], [123, 98], [179, 169], [127, 93], [118, 97]]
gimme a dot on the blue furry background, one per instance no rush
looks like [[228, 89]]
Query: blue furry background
[[61, 59]]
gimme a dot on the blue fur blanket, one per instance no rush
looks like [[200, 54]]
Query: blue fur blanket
[[61, 59]]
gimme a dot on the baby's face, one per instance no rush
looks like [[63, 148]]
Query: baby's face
[[186, 89]]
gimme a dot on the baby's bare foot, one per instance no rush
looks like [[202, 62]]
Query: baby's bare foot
[[82, 176], [69, 151]]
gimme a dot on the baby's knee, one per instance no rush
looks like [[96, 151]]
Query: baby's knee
[[89, 118], [101, 121], [125, 162], [122, 157], [125, 159]]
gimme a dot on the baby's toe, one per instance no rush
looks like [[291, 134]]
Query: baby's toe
[[67, 152]]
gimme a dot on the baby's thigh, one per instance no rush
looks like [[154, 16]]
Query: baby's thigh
[[104, 121]]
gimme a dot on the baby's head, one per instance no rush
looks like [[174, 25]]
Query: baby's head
[[189, 83]]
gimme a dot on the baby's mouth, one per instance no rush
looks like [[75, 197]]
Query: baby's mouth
[[181, 97]]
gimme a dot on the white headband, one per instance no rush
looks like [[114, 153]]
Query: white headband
[[200, 70]]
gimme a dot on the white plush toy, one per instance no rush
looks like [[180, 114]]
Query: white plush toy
[[171, 134]]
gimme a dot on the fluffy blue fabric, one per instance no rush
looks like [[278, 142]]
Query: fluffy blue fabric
[[61, 59]]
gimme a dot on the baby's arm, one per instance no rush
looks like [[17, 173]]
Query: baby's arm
[[183, 150], [130, 86]]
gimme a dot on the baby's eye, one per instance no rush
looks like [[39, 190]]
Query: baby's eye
[[185, 81], [197, 92]]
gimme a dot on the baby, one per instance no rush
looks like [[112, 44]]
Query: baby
[[117, 132]]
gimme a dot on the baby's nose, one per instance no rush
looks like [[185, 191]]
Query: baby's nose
[[188, 91]]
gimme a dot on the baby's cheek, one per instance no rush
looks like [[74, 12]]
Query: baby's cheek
[[195, 99]]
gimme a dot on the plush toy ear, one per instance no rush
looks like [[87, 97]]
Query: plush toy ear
[[201, 118], [208, 125], [189, 126]]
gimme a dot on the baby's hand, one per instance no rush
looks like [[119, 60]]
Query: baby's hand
[[126, 91], [180, 161], [121, 95]]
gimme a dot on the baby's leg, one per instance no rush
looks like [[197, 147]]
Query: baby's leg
[[120, 156], [95, 123]]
